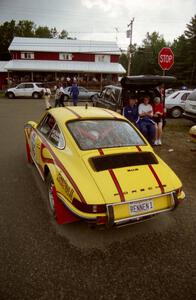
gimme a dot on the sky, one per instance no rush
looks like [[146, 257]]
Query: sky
[[105, 20]]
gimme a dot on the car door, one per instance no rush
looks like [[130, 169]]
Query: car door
[[83, 93], [44, 129], [19, 90], [28, 89], [183, 99]]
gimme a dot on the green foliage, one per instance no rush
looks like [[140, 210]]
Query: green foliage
[[43, 32], [24, 28], [145, 58]]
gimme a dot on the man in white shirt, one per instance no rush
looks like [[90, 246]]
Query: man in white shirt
[[147, 125]]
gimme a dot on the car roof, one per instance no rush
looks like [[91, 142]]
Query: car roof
[[146, 81], [113, 87], [68, 113], [179, 92], [30, 82]]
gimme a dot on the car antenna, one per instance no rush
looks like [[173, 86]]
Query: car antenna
[[86, 106]]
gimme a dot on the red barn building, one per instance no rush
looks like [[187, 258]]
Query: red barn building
[[3, 75], [42, 59]]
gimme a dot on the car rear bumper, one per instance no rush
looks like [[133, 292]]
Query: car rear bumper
[[111, 218], [189, 116]]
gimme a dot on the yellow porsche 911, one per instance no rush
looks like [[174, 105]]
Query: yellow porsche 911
[[99, 168]]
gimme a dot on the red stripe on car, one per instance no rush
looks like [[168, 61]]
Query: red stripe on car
[[115, 180], [109, 112], [73, 112], [154, 173]]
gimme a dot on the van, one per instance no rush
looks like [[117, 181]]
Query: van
[[190, 107]]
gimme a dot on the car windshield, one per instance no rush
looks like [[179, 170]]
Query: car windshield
[[93, 134]]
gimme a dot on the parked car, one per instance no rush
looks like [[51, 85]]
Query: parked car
[[170, 91], [99, 168], [84, 94], [27, 89], [175, 103], [110, 97], [190, 107], [116, 97]]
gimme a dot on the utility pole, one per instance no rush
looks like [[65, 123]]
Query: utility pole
[[129, 34]]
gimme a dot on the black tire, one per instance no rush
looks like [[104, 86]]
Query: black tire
[[10, 95], [176, 112], [50, 198], [36, 95]]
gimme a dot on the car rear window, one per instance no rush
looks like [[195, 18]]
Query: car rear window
[[95, 134], [192, 96]]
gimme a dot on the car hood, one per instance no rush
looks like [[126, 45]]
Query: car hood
[[118, 180]]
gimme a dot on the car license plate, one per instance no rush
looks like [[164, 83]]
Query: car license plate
[[141, 207], [193, 106]]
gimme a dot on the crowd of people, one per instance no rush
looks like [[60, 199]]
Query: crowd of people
[[60, 95], [146, 116]]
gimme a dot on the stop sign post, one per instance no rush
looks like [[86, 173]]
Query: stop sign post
[[166, 58]]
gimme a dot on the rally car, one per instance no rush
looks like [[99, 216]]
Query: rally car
[[99, 168]]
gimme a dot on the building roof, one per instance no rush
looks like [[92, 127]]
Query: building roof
[[2, 66], [62, 45], [64, 66]]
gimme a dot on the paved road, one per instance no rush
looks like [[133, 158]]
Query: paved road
[[42, 260]]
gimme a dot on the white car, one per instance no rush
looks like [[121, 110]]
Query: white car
[[26, 89], [190, 107], [175, 103], [84, 94]]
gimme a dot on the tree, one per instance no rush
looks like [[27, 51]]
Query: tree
[[185, 55], [144, 60], [43, 32], [63, 34], [24, 28]]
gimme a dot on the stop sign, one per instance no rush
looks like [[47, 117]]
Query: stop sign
[[166, 58]]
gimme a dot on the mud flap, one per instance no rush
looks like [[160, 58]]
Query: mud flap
[[63, 215]]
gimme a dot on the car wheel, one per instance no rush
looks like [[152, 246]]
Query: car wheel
[[51, 195], [92, 98], [36, 95], [176, 112], [11, 95]]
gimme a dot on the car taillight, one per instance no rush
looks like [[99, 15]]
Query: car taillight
[[178, 191], [89, 208]]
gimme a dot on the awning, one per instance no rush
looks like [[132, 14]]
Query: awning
[[65, 66]]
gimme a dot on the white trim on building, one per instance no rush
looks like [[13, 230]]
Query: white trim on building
[[65, 66]]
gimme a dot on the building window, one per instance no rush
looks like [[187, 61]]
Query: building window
[[27, 55], [102, 58], [65, 56]]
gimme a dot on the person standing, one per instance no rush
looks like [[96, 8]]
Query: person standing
[[62, 96], [57, 96], [47, 96], [147, 124], [74, 92], [158, 118]]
